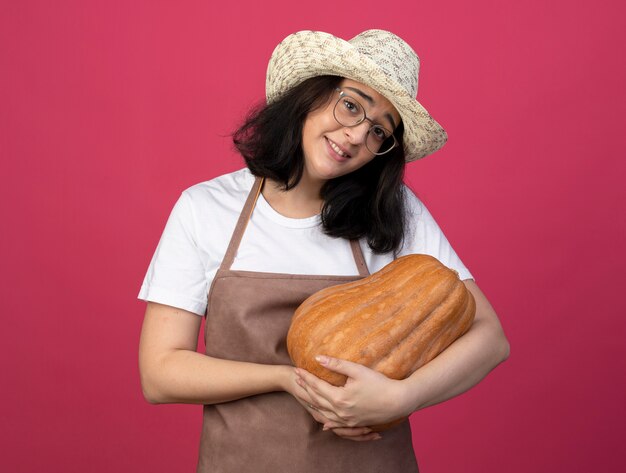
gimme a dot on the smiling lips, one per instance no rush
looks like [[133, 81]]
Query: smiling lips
[[340, 152]]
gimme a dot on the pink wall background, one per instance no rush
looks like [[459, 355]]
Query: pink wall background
[[109, 109]]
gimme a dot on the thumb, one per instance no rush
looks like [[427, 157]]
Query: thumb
[[345, 367]]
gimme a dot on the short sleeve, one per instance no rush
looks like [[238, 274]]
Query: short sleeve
[[426, 237], [176, 275]]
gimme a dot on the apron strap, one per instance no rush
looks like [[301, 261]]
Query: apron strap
[[359, 260], [242, 223]]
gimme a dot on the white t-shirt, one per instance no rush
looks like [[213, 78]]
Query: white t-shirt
[[201, 224]]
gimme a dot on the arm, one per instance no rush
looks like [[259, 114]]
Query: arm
[[464, 363], [369, 398], [172, 371]]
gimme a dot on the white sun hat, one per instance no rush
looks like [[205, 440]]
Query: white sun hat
[[376, 58]]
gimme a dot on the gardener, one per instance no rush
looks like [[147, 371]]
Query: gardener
[[321, 202]]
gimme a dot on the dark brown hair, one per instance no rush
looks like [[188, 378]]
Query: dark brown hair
[[368, 202]]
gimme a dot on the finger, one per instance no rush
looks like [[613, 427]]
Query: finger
[[350, 431], [310, 386], [334, 425], [314, 411], [319, 392], [315, 401], [345, 367], [358, 438], [329, 417], [318, 416], [309, 403]]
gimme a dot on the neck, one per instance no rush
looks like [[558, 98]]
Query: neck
[[300, 202]]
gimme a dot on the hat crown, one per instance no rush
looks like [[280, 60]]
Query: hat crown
[[392, 54]]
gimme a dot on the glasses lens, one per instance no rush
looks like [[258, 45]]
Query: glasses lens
[[380, 140], [348, 112]]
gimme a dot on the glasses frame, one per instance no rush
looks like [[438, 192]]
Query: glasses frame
[[391, 136]]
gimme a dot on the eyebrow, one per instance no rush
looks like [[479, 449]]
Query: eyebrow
[[388, 116]]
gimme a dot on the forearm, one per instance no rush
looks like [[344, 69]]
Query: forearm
[[185, 376], [458, 368], [172, 371]]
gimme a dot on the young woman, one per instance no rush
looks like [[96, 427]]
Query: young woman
[[321, 202]]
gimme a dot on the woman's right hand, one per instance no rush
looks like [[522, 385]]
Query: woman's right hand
[[358, 434]]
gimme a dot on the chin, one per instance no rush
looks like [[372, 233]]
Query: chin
[[329, 173]]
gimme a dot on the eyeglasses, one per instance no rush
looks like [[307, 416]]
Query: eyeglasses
[[349, 112]]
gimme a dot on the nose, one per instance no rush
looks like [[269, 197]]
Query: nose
[[357, 134]]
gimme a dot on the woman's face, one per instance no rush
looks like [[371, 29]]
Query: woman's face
[[332, 150]]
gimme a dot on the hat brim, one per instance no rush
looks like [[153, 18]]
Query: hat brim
[[307, 54]]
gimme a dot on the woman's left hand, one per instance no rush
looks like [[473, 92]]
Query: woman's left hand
[[367, 398]]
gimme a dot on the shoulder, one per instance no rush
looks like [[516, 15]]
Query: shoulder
[[224, 191], [211, 204]]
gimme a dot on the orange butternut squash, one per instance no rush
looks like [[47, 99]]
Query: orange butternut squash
[[393, 321]]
